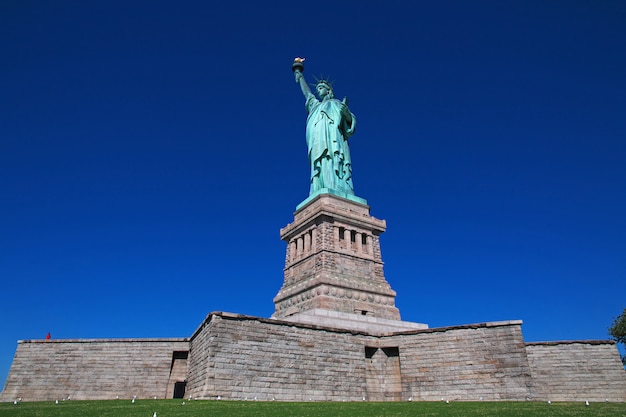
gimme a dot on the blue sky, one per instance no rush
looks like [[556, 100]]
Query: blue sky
[[151, 151]]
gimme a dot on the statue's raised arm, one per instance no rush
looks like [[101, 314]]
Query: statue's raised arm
[[298, 68], [329, 125]]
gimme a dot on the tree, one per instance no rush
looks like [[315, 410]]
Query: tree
[[618, 331]]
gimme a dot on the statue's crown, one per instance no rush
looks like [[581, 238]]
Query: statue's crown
[[323, 81], [327, 83]]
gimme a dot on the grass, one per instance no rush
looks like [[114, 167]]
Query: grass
[[174, 408]]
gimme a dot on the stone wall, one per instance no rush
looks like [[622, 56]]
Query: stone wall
[[238, 357], [577, 371], [91, 369], [469, 363]]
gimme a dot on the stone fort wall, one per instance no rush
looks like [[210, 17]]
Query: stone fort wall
[[238, 357], [94, 369], [577, 371], [470, 363]]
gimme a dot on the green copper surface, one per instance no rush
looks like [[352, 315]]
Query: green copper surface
[[329, 125]]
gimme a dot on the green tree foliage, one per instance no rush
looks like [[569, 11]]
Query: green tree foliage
[[618, 331]]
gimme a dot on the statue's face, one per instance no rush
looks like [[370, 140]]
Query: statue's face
[[322, 90]]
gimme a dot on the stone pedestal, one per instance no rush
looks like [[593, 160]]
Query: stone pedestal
[[334, 262]]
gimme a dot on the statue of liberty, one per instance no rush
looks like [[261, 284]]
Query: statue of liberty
[[328, 127]]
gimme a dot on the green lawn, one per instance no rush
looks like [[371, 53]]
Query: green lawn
[[175, 408]]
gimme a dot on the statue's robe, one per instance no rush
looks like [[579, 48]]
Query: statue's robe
[[327, 142]]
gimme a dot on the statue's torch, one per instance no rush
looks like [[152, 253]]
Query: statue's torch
[[298, 65]]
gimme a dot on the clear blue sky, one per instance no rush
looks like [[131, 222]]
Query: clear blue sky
[[150, 152]]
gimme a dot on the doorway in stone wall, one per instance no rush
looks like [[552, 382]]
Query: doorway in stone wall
[[382, 373], [179, 389], [178, 374]]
